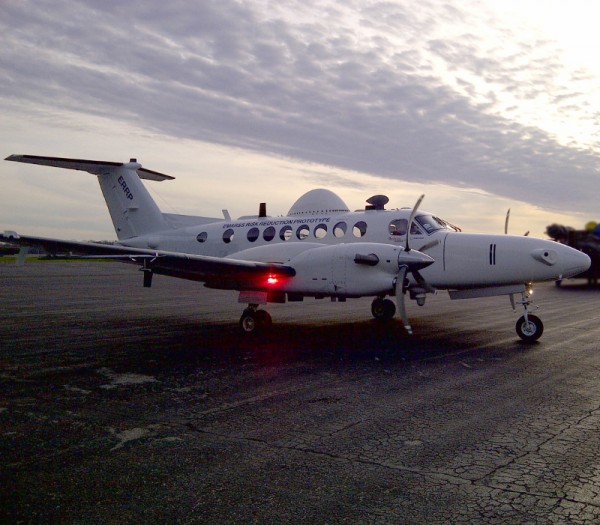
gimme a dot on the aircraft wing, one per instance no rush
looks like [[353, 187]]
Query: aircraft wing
[[215, 271]]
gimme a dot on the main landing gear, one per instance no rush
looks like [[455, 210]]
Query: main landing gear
[[254, 320], [383, 309], [529, 327]]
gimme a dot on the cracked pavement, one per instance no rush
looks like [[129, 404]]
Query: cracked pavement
[[126, 405]]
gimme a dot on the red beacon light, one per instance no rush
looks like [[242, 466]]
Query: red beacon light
[[272, 280]]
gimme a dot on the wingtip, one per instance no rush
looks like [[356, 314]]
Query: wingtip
[[14, 157]]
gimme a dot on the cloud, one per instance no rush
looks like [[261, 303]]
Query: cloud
[[445, 93]]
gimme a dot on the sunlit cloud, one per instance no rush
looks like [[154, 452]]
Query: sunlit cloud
[[450, 98]]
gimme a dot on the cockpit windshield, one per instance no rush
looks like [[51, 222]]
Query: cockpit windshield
[[431, 223]]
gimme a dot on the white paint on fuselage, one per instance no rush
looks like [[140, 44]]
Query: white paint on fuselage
[[185, 239], [462, 260]]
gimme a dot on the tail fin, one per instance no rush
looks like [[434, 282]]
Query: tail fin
[[132, 209]]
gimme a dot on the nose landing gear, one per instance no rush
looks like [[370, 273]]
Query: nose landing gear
[[529, 327]]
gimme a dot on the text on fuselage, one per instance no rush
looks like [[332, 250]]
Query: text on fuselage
[[126, 189]]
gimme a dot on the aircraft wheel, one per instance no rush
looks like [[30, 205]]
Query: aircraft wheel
[[248, 322], [530, 331], [263, 319], [383, 309], [253, 321]]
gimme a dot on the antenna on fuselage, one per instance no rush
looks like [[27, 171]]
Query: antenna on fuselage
[[377, 202], [262, 210]]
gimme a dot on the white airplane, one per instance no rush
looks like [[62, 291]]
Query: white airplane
[[319, 249]]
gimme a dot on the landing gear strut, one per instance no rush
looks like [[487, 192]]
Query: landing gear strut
[[529, 327], [254, 320]]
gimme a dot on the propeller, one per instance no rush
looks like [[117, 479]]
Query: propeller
[[399, 291], [411, 261], [429, 245], [506, 224]]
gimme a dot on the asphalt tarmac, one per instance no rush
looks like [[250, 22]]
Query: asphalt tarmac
[[121, 404]]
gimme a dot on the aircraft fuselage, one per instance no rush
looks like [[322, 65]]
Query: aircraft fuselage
[[462, 260]]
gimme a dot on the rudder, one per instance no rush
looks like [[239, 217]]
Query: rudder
[[131, 207]]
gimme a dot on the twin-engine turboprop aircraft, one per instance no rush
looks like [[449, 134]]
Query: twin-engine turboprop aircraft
[[319, 249]]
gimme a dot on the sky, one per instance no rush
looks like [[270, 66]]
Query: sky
[[482, 105]]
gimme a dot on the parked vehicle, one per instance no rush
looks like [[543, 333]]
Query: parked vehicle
[[586, 241]]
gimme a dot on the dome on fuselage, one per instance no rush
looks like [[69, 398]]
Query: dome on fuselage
[[319, 201]]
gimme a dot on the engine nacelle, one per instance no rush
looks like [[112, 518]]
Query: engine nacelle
[[345, 270]]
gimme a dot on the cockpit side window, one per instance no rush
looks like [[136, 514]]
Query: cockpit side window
[[431, 223], [415, 230], [398, 227]]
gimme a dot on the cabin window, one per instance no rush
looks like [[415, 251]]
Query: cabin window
[[269, 234], [321, 231], [339, 230], [303, 232], [253, 234], [285, 234], [202, 237], [228, 236], [398, 227], [359, 229]]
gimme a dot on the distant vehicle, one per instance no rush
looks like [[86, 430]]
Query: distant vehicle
[[586, 241], [7, 249], [319, 249]]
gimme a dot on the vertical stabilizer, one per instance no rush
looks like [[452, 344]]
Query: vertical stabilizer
[[132, 209]]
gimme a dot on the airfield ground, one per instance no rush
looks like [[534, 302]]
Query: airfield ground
[[121, 404]]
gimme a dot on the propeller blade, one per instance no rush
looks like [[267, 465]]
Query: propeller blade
[[410, 220], [506, 222], [400, 298], [422, 282], [429, 245]]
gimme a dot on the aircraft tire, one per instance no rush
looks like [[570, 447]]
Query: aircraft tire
[[383, 309], [531, 331], [248, 322], [254, 321], [263, 318]]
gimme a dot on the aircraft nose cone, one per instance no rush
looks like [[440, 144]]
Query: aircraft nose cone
[[574, 262]]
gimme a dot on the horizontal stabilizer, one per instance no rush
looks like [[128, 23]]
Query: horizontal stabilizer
[[91, 166]]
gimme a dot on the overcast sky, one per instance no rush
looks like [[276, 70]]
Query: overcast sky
[[481, 105]]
